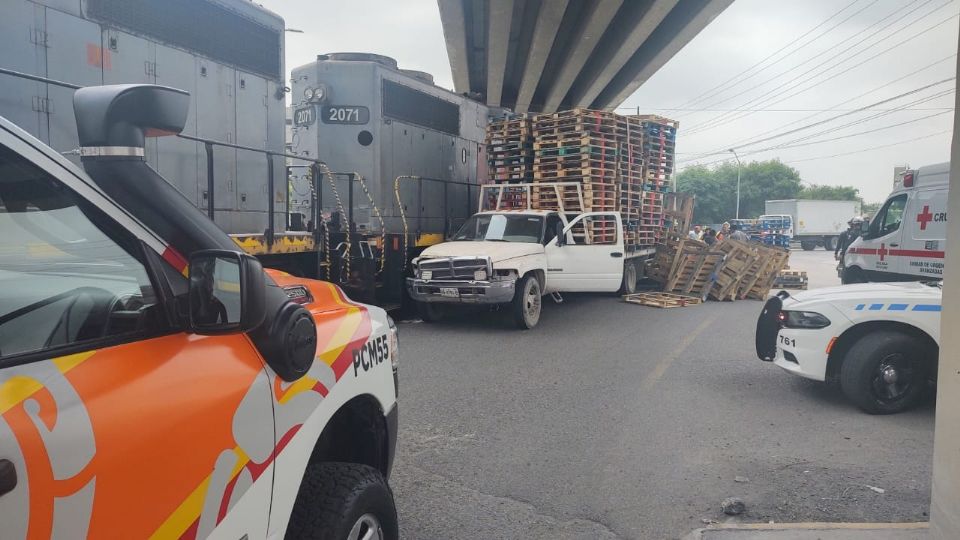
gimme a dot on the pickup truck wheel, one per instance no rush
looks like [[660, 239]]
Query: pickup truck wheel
[[884, 372], [343, 501], [430, 312], [629, 284], [808, 245], [527, 303], [830, 243]]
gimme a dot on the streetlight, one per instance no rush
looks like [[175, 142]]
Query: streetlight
[[738, 180]]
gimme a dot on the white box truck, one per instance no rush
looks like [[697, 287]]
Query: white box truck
[[814, 223]]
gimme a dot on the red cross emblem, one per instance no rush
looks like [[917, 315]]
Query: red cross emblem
[[883, 251], [924, 217]]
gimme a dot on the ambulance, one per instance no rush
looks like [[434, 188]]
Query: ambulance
[[905, 239], [156, 381]]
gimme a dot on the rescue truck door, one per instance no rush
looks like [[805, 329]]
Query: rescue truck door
[[590, 255], [113, 420], [881, 246]]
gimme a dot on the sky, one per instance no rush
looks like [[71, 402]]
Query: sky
[[760, 69]]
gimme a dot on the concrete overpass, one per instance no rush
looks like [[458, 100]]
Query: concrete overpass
[[549, 55]]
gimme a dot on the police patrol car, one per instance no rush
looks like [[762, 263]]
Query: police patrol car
[[880, 340], [904, 241]]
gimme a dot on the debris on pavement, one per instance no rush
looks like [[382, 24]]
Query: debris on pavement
[[741, 479], [733, 506]]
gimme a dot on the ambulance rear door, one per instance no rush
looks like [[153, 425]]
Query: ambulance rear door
[[922, 249]]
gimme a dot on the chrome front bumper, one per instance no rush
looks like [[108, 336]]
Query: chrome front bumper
[[469, 292]]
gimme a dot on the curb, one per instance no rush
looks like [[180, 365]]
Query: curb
[[805, 526]]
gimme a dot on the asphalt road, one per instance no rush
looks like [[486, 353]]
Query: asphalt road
[[611, 420]]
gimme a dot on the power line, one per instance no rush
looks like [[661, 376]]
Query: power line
[[834, 108], [789, 144], [824, 121], [888, 49], [862, 150], [713, 91], [766, 97], [787, 110]]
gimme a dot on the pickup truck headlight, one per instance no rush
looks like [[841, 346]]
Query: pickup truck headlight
[[480, 275], [802, 319]]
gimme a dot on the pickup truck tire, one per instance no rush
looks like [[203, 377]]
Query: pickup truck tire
[[808, 245], [629, 284], [830, 243], [340, 501], [430, 312], [527, 303], [885, 372]]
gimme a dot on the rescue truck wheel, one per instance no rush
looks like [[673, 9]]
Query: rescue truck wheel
[[808, 245], [629, 284], [884, 372], [430, 312], [339, 501], [527, 303]]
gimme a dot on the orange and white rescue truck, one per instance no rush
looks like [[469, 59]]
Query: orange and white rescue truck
[[155, 381]]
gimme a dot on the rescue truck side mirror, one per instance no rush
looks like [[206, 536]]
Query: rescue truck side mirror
[[865, 227], [227, 292]]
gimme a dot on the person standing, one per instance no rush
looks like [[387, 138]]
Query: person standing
[[847, 237], [737, 234], [710, 237]]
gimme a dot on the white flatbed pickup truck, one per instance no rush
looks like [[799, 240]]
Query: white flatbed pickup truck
[[516, 256]]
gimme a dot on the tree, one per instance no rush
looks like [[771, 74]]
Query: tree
[[831, 193], [716, 188]]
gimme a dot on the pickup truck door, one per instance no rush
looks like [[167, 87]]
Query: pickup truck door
[[113, 422], [591, 258]]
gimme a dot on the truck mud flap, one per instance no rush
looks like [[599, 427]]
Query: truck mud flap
[[768, 326]]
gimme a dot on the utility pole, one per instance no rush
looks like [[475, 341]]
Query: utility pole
[[738, 181]]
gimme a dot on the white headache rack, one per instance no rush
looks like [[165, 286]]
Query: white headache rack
[[565, 197]]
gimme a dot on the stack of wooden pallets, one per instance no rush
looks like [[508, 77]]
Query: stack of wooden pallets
[[618, 163], [730, 270], [659, 141], [509, 144], [581, 146], [791, 279]]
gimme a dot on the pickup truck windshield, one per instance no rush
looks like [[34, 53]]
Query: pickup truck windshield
[[501, 228]]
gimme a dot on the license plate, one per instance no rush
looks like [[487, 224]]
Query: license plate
[[450, 292]]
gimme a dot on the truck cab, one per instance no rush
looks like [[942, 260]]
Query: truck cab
[[155, 381], [905, 239]]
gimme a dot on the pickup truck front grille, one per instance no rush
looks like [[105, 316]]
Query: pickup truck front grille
[[454, 268]]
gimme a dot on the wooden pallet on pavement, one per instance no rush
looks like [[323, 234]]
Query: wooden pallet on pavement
[[661, 299]]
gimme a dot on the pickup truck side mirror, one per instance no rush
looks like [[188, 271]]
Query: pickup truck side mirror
[[227, 292], [561, 238]]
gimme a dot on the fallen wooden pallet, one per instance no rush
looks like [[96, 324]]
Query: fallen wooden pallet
[[661, 299]]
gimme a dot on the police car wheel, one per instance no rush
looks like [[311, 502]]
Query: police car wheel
[[343, 501], [884, 372], [527, 303]]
